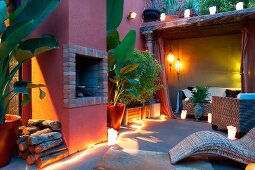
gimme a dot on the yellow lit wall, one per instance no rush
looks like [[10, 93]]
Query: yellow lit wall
[[208, 61], [41, 109]]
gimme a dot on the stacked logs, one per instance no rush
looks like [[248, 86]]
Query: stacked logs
[[41, 143]]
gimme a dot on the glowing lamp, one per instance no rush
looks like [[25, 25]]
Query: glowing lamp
[[183, 114], [186, 13], [231, 132], [212, 10], [239, 6], [170, 58], [178, 67], [250, 166], [209, 118], [131, 15], [112, 136], [162, 17]]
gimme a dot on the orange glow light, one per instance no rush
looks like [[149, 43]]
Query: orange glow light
[[170, 57]]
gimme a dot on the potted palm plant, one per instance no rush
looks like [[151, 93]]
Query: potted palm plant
[[22, 22], [118, 52], [199, 95]]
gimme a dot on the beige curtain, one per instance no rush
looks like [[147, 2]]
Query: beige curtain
[[248, 58], [163, 94]]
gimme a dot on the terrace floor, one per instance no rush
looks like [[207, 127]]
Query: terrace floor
[[156, 136]]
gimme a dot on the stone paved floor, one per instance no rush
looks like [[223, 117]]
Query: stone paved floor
[[154, 136]]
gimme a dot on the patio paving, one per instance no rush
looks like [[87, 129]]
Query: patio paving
[[156, 135]]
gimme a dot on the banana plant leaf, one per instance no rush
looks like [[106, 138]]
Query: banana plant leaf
[[3, 15], [24, 86], [113, 39], [111, 62], [33, 47], [15, 34], [27, 11], [114, 14], [23, 22], [126, 48]]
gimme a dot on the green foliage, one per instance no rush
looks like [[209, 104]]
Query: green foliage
[[171, 7], [119, 51], [250, 3], [192, 4], [199, 94], [222, 5], [148, 75], [23, 22]]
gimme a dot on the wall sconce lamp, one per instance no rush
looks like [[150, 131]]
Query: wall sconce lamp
[[131, 15], [170, 58], [178, 67]]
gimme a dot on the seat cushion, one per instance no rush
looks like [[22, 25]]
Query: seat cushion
[[247, 96], [187, 93]]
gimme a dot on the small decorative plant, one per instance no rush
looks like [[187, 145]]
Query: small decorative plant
[[199, 94]]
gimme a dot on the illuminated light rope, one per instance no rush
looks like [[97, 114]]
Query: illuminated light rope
[[84, 153]]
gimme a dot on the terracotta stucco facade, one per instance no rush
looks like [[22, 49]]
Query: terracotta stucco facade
[[82, 24]]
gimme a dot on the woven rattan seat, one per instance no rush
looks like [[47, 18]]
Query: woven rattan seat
[[207, 142]]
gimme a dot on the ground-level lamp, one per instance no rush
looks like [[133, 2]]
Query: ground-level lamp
[[231, 132], [170, 58]]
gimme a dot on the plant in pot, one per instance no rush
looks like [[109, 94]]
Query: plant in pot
[[141, 93], [199, 95], [152, 10], [148, 75], [118, 52], [21, 23]]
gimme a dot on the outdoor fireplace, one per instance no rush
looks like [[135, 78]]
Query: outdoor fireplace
[[88, 78], [85, 76]]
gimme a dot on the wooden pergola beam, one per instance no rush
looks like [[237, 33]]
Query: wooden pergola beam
[[229, 22]]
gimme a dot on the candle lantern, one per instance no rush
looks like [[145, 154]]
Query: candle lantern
[[212, 10], [239, 6], [186, 13], [231, 132], [183, 114], [112, 136], [209, 118]]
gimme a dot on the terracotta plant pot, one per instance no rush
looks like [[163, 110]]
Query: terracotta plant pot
[[115, 115], [8, 137]]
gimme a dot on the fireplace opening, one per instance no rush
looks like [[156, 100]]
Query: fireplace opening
[[88, 76]]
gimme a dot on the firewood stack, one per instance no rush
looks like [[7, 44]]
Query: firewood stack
[[41, 143]]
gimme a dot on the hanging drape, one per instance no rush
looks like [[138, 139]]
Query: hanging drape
[[248, 58], [162, 94]]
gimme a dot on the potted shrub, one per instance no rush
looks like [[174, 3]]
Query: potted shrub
[[22, 23], [199, 95], [148, 74], [118, 52]]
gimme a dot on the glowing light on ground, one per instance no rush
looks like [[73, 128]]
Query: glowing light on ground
[[94, 148]]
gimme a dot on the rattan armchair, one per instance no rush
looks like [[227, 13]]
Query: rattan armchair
[[231, 111]]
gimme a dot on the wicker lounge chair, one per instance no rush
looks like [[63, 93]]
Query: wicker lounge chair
[[207, 142]]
